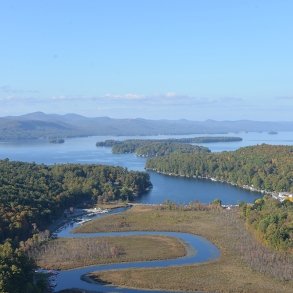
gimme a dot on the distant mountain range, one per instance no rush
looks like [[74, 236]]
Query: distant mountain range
[[40, 125]]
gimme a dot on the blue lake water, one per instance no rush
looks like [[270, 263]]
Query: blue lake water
[[180, 190]]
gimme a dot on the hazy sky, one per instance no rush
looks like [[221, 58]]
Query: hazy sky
[[193, 59]]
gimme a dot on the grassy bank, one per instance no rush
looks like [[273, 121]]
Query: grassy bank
[[77, 252], [244, 265], [111, 205]]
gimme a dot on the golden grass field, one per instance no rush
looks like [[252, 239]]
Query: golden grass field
[[72, 253], [231, 273]]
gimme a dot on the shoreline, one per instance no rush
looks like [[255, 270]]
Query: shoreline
[[274, 194]]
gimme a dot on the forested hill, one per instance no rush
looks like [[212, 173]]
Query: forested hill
[[263, 166], [31, 193], [40, 125], [156, 149], [151, 147]]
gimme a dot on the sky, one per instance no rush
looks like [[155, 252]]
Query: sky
[[156, 59]]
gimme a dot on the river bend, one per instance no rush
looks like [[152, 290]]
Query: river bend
[[199, 250]]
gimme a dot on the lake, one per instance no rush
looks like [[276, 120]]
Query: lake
[[180, 190]]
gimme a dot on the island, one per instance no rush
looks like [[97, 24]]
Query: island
[[272, 132], [162, 147], [56, 140]]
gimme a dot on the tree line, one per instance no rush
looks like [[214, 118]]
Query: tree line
[[32, 193], [272, 221], [265, 167], [16, 272], [155, 149], [140, 142]]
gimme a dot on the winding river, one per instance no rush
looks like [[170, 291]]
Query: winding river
[[198, 250]]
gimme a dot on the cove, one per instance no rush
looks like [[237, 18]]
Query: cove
[[177, 189], [184, 190]]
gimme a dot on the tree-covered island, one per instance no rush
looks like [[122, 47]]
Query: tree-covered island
[[162, 147]]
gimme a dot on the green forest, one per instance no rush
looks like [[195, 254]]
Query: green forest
[[140, 142], [272, 221], [151, 148], [32, 193], [155, 149], [32, 196], [265, 167], [17, 272]]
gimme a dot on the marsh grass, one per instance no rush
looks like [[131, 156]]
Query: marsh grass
[[77, 252], [245, 264]]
